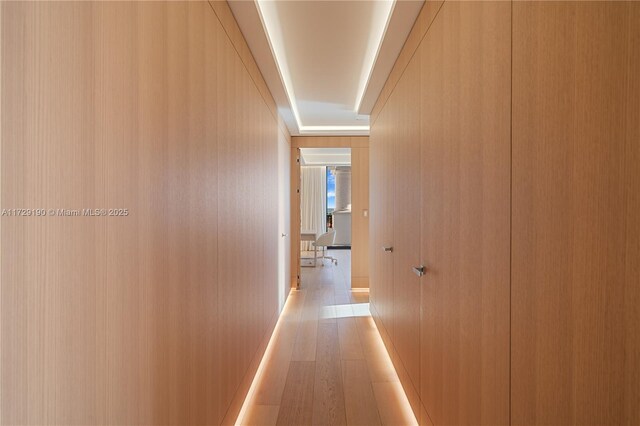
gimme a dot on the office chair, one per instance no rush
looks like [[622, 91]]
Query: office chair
[[324, 241]]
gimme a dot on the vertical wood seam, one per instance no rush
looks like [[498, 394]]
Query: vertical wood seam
[[510, 201], [1, 9]]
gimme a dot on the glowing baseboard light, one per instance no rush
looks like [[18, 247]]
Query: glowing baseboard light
[[405, 406], [403, 400], [267, 353]]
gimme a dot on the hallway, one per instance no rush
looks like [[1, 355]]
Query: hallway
[[161, 163], [326, 363]]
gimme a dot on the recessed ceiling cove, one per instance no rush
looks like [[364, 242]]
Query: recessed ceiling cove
[[323, 56]]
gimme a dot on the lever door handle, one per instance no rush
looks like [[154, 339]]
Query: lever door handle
[[419, 270], [284, 235], [387, 249]]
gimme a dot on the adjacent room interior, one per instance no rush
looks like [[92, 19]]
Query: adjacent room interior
[[325, 206]]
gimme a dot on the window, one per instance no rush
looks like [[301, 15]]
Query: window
[[331, 196], [331, 190]]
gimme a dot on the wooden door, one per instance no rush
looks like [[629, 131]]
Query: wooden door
[[375, 232], [380, 261], [465, 214], [576, 213], [381, 217], [284, 218], [404, 107]]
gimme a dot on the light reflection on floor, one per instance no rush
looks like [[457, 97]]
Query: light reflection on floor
[[326, 302]]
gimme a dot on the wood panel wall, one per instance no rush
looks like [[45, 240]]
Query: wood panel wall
[[360, 216], [159, 316], [576, 213], [359, 202], [466, 207], [284, 214], [404, 116], [529, 201], [449, 170]]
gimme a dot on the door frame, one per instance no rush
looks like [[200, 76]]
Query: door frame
[[298, 142]]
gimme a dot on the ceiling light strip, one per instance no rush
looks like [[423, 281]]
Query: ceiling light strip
[[373, 50], [270, 23]]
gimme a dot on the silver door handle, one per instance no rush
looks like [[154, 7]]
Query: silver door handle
[[419, 270], [387, 249], [284, 235]]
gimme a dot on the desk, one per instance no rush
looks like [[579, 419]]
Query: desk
[[307, 235]]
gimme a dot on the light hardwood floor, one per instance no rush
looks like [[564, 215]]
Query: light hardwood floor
[[326, 363]]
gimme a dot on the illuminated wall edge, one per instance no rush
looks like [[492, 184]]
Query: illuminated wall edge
[[285, 77]]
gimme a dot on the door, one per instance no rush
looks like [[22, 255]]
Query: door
[[404, 107], [381, 219], [465, 214], [284, 219], [294, 216], [375, 232]]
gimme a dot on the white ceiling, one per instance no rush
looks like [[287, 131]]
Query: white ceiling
[[325, 156], [325, 60]]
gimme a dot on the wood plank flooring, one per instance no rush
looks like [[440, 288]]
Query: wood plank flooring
[[326, 363]]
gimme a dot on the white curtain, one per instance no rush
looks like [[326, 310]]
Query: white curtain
[[313, 200]]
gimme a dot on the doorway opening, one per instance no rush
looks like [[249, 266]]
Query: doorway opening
[[325, 207]]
